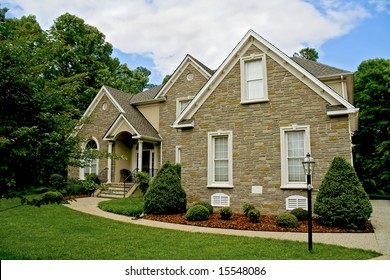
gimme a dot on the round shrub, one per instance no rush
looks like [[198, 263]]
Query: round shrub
[[247, 207], [341, 200], [197, 213], [165, 194], [226, 213], [52, 197], [287, 220], [300, 213], [254, 215], [57, 182], [207, 205]]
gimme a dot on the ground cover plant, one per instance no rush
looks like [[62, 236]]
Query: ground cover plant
[[57, 232]]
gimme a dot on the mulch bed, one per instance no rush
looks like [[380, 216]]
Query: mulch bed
[[240, 222]]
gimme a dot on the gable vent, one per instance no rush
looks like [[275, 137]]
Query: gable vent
[[296, 201], [220, 199]]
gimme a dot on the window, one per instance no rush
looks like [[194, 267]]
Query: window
[[181, 104], [91, 165], [220, 159], [295, 143], [253, 79], [220, 199]]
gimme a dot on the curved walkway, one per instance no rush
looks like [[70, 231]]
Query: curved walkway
[[378, 241]]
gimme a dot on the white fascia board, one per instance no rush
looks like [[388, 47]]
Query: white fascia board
[[179, 70], [343, 112]]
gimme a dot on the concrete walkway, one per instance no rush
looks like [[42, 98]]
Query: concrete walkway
[[378, 241]]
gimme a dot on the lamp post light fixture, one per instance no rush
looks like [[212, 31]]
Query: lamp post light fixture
[[308, 166]]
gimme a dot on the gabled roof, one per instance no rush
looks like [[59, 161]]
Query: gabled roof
[[319, 70], [288, 63]]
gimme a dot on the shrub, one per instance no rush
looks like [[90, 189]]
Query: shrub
[[77, 187], [226, 213], [52, 197], [369, 186], [165, 194], [341, 200], [57, 182], [300, 213], [143, 180], [247, 207], [287, 220], [254, 215], [197, 213], [207, 205], [93, 177]]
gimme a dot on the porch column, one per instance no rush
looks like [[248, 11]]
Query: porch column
[[140, 147], [109, 162]]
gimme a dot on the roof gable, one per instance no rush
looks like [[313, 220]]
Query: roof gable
[[252, 38]]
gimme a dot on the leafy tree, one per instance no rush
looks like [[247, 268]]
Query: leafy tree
[[341, 200], [307, 53], [372, 140]]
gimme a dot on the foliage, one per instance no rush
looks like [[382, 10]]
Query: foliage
[[226, 213], [300, 213], [165, 194], [287, 220], [207, 205], [57, 182], [247, 207], [254, 215], [307, 53], [341, 200], [131, 206], [143, 180], [49, 197], [93, 177], [372, 139], [369, 186], [80, 187], [197, 213]]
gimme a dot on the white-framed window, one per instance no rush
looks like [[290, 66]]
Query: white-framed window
[[220, 162], [294, 144], [220, 199], [296, 201], [92, 165], [253, 79], [178, 154], [182, 103]]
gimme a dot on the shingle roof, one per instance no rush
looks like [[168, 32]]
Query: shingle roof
[[318, 69], [132, 114], [146, 95]]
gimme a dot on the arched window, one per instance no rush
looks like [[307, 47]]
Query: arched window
[[91, 166]]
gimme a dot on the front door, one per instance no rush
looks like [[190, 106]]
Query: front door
[[148, 162]]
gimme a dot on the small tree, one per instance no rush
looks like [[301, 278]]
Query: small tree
[[165, 194], [341, 200]]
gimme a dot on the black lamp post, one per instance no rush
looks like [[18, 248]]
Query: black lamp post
[[308, 166]]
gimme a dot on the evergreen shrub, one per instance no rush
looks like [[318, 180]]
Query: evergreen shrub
[[341, 200], [207, 205], [300, 213], [247, 207], [226, 213], [254, 216], [287, 220], [197, 213], [165, 194], [57, 182], [143, 180]]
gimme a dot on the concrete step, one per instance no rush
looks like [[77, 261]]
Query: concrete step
[[116, 190]]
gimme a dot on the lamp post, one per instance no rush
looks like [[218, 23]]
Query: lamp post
[[308, 166]]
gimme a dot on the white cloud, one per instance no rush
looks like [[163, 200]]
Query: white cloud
[[167, 30]]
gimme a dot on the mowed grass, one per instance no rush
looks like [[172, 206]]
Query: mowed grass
[[57, 232]]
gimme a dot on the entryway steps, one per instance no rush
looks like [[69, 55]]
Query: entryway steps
[[116, 190]]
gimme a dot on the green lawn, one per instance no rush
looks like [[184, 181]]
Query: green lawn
[[57, 232]]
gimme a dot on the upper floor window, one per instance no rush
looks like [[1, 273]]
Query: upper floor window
[[181, 104], [253, 79]]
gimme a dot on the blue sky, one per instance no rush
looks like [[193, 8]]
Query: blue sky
[[157, 34]]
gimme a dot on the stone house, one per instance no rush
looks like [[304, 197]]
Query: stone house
[[240, 132]]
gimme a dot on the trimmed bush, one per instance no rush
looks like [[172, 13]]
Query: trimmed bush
[[226, 213], [52, 197], [165, 194], [254, 215], [57, 182], [143, 180], [300, 213], [341, 200], [247, 207], [198, 213], [287, 220], [207, 205]]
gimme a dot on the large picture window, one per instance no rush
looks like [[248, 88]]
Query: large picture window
[[220, 159]]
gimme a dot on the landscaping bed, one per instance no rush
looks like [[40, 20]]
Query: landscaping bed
[[240, 222]]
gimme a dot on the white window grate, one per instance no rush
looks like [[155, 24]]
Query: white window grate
[[220, 199], [296, 201]]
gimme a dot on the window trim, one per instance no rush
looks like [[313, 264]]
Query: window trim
[[283, 155], [210, 166], [82, 169], [178, 103], [243, 61]]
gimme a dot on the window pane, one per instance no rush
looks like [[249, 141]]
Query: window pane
[[295, 155], [221, 170], [254, 89], [254, 70], [295, 170], [295, 144], [221, 148], [254, 79], [184, 104]]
